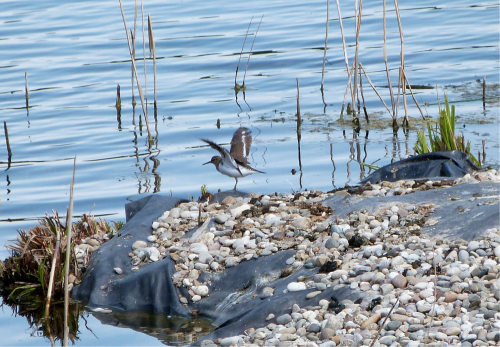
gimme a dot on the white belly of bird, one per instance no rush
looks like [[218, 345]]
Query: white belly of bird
[[231, 171]]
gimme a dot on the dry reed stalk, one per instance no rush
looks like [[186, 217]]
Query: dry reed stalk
[[326, 42], [251, 49], [395, 119], [152, 50], [362, 96], [346, 60], [373, 87], [484, 92], [135, 72], [132, 37], [357, 15], [26, 91], [118, 103], [52, 272], [9, 152], [413, 96], [349, 73], [236, 85], [387, 66], [484, 150], [402, 54], [144, 55], [68, 256], [299, 135]]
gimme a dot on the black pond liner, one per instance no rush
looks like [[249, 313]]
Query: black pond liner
[[435, 165], [234, 303]]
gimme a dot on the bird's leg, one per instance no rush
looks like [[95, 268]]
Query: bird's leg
[[235, 183]]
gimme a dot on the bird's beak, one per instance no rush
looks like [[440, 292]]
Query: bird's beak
[[208, 162]]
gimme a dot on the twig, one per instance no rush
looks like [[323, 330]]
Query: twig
[[152, 50], [135, 72], [373, 87], [484, 150], [251, 49], [236, 85], [326, 42], [387, 67], [68, 255]]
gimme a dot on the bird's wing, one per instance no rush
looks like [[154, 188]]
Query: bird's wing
[[241, 143], [223, 152]]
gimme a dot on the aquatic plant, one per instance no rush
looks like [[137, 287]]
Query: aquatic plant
[[442, 135]]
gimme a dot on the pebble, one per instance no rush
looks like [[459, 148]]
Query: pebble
[[392, 261]]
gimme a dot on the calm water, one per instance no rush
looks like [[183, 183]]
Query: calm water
[[75, 54]]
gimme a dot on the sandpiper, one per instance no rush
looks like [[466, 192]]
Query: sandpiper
[[235, 162]]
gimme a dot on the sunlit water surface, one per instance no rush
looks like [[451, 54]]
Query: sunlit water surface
[[75, 55]]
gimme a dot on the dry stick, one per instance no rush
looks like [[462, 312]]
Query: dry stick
[[387, 68], [52, 272], [395, 119], [135, 72], [251, 49], [362, 96], [413, 96], [299, 136], [484, 92], [236, 85], [144, 56], [402, 57], [349, 73], [152, 49], [326, 42], [373, 87], [68, 255], [346, 60]]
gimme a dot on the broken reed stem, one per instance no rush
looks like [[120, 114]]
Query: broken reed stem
[[387, 67], [152, 50], [413, 96], [9, 152], [362, 96], [68, 256], [373, 87], [395, 119], [484, 150], [52, 272], [251, 49], [144, 57], [26, 90], [358, 27], [135, 71], [118, 103], [402, 56], [349, 73], [346, 60], [241, 53], [326, 42], [484, 93]]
